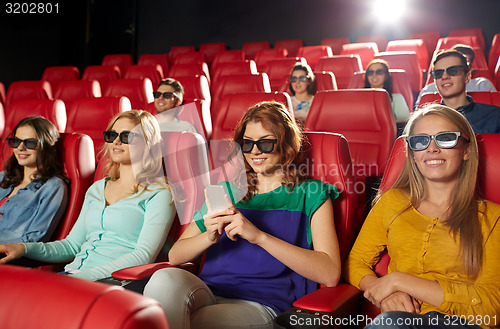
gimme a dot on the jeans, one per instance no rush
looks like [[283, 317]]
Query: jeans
[[405, 320], [189, 303]]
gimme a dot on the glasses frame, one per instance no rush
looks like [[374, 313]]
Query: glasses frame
[[438, 74], [166, 95], [14, 142], [126, 137], [301, 78], [436, 140], [243, 141], [377, 72]]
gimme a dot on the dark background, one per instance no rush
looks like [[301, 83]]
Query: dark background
[[85, 30]]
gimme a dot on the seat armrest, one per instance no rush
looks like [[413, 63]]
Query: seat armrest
[[328, 299], [142, 272]]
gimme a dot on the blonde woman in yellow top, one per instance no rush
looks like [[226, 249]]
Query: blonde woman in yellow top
[[443, 240]]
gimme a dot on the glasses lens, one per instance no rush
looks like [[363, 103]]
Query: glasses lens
[[156, 94], [437, 74], [446, 140], [379, 72], [166, 95], [265, 145], [13, 142], [418, 142], [126, 137], [370, 72], [109, 136], [302, 78], [453, 70], [30, 143], [293, 79]]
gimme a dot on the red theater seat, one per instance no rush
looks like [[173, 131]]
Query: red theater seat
[[155, 59], [189, 70], [234, 106], [265, 55], [447, 43], [228, 56], [138, 91], [335, 43], [103, 74], [380, 40], [430, 39], [416, 45], [91, 116], [494, 53], [279, 70], [53, 110], [313, 53], [234, 68], [190, 57], [292, 46], [176, 50], [482, 73], [123, 61], [2, 93], [477, 32], [79, 303], [195, 87], [152, 72], [69, 91], [25, 90], [365, 118], [57, 74], [251, 48], [365, 50], [232, 84], [343, 66], [408, 61], [212, 49]]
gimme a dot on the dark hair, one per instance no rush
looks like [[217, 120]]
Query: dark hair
[[311, 88], [467, 51], [276, 118], [49, 161], [387, 81], [452, 52], [178, 88]]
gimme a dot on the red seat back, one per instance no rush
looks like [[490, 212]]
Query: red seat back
[[364, 117], [475, 31], [190, 57], [251, 48], [232, 84], [24, 90], [228, 56], [123, 61], [429, 98], [265, 55], [430, 39], [69, 91], [212, 49], [279, 70], [416, 45], [57, 74], [91, 116], [152, 72], [234, 68], [79, 303], [408, 61], [2, 93], [103, 74], [234, 106], [138, 91], [335, 43], [195, 87], [176, 50], [155, 59], [448, 42], [313, 53], [53, 110], [380, 40], [292, 46], [343, 66], [189, 70], [494, 53], [365, 50]]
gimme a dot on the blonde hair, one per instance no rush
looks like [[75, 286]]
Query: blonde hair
[[150, 161], [462, 214]]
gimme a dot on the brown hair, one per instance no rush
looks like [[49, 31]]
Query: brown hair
[[455, 53], [275, 117], [387, 81], [462, 215]]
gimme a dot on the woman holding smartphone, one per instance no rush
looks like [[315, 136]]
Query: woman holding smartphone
[[263, 252]]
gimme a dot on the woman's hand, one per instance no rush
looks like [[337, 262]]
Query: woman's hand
[[382, 288], [12, 251], [238, 225], [214, 223], [400, 301]]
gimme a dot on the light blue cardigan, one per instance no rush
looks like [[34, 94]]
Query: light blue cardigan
[[104, 239]]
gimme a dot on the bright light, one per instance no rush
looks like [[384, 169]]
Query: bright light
[[389, 11]]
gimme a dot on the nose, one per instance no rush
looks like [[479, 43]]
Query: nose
[[255, 149], [21, 146], [433, 148]]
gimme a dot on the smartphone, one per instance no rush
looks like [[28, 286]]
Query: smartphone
[[216, 195]]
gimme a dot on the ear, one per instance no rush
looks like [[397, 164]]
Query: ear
[[466, 152], [178, 102], [468, 77]]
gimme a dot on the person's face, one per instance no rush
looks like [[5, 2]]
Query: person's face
[[376, 80], [435, 163], [450, 86], [299, 86], [261, 163], [162, 104], [26, 157], [119, 151]]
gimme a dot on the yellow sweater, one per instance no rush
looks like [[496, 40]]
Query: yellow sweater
[[422, 246]]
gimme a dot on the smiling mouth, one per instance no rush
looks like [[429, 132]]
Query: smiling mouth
[[434, 162], [258, 160]]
